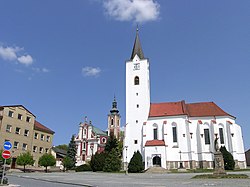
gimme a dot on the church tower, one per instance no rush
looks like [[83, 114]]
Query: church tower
[[137, 99], [114, 121]]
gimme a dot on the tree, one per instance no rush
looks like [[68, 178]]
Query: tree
[[62, 146], [112, 143], [8, 161], [97, 161], [47, 160], [136, 165], [71, 153], [67, 163], [228, 158], [112, 162], [25, 159]]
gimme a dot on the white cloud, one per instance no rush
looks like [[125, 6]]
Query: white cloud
[[41, 70], [25, 59], [132, 10], [9, 53], [12, 54], [91, 71]]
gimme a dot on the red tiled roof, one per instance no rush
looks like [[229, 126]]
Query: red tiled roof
[[38, 126], [155, 143], [166, 109], [191, 109]]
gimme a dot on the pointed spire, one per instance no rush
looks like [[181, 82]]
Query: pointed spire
[[114, 107], [137, 49]]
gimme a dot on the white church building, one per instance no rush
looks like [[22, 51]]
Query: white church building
[[173, 134]]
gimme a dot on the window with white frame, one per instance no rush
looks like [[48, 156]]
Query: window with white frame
[[174, 131], [20, 116], [42, 137], [221, 135], [18, 130], [34, 149], [36, 135], [47, 150], [48, 138], [207, 136], [11, 114], [15, 145], [28, 119], [26, 132], [8, 128], [24, 147], [41, 150]]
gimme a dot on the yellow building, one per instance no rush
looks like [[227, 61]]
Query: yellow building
[[19, 126]]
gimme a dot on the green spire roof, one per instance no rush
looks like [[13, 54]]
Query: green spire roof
[[137, 49]]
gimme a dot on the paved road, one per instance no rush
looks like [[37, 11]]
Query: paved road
[[120, 180]]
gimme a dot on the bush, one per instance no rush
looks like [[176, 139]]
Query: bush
[[136, 165], [228, 158], [112, 162], [84, 167], [97, 161]]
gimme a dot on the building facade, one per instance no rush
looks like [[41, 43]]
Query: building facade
[[89, 140], [19, 126], [173, 134]]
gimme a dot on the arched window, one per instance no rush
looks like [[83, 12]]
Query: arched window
[[137, 80], [155, 131], [221, 133], [174, 131]]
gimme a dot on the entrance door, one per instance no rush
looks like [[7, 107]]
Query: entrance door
[[157, 161]]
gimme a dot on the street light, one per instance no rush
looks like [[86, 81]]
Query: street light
[[126, 161]]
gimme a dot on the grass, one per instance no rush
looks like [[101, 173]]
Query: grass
[[227, 176]]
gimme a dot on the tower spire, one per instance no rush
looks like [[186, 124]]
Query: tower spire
[[114, 107], [137, 49]]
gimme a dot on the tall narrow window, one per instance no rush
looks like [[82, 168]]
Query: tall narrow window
[[207, 136], [112, 122], [174, 134], [137, 80], [155, 134], [221, 135]]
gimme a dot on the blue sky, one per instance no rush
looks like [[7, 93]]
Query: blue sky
[[64, 60]]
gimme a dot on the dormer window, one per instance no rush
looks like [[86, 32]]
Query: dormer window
[[137, 80]]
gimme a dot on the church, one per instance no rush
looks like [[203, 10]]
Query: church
[[174, 135]]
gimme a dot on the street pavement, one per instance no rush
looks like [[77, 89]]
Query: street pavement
[[93, 179]]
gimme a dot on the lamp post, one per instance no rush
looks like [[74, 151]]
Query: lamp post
[[181, 165], [126, 160]]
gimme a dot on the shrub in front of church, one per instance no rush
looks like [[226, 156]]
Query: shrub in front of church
[[112, 162], [97, 161], [84, 167], [228, 158], [136, 165]]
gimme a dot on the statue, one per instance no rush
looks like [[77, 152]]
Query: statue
[[216, 144], [218, 159]]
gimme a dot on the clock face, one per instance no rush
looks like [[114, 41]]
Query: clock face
[[137, 66]]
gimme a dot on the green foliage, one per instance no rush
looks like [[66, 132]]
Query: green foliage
[[136, 165], [47, 160], [8, 161], [71, 153], [112, 143], [25, 159], [84, 167], [67, 163], [63, 147], [229, 162], [112, 162], [97, 161]]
